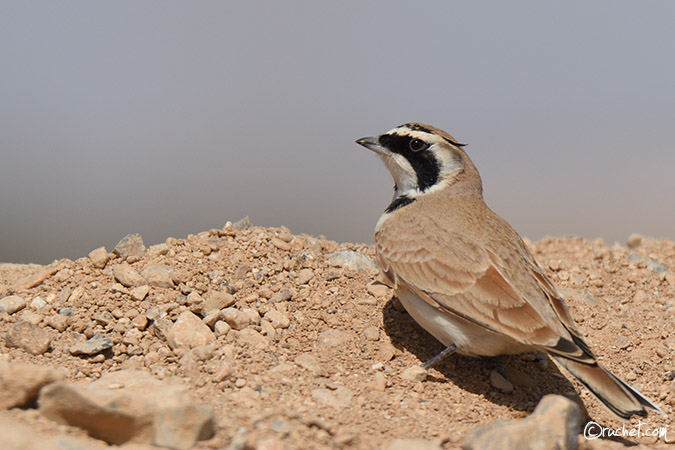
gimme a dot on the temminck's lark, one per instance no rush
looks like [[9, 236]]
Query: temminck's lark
[[465, 275]]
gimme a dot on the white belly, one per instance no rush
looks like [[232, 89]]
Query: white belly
[[470, 339]]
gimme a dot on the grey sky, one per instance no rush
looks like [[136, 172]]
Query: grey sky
[[168, 118]]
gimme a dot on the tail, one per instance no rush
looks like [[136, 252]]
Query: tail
[[617, 395]]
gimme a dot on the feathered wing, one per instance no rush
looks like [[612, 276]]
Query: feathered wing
[[465, 280]]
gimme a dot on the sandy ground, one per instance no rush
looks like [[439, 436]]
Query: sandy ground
[[331, 376]]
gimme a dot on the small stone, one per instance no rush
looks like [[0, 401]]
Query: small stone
[[221, 328], [68, 312], [242, 224], [281, 296], [126, 275], [498, 381], [224, 370], [235, 318], [351, 260], [305, 275], [139, 293], [189, 332], [634, 241], [59, 322], [308, 362], [622, 342], [378, 290], [555, 423], [31, 317], [12, 304], [97, 344], [99, 257], [131, 245], [38, 303], [158, 275], [278, 319], [29, 337], [20, 383], [338, 398], [248, 337], [415, 373], [216, 300], [332, 338], [281, 245], [379, 383], [268, 329], [372, 333], [240, 383], [386, 352], [140, 322], [252, 314]]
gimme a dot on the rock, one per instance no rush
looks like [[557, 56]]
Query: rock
[[386, 352], [158, 275], [332, 338], [221, 328], [278, 319], [59, 322], [235, 318], [12, 304], [189, 332], [281, 296], [18, 436], [131, 246], [634, 241], [31, 317], [281, 245], [99, 257], [305, 275], [372, 333], [555, 423], [338, 398], [351, 260], [97, 344], [415, 373], [38, 303], [224, 370], [252, 314], [308, 362], [130, 406], [498, 381], [250, 338], [28, 337], [37, 279], [20, 383], [216, 300], [127, 276], [413, 444], [242, 224], [622, 342], [378, 290], [139, 293]]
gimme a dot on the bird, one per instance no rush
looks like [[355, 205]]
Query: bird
[[465, 275]]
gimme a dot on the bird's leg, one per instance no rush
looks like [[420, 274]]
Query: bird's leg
[[449, 350]]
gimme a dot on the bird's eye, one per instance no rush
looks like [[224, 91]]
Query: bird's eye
[[417, 145]]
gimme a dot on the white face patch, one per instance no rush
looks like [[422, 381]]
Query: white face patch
[[402, 172]]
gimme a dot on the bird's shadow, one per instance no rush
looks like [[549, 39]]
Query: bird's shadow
[[540, 377]]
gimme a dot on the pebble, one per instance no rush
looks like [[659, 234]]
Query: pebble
[[281, 296], [216, 300], [415, 373], [268, 329], [351, 260], [305, 275], [242, 224], [158, 275], [555, 423], [31, 317], [224, 370], [69, 311], [332, 338], [252, 314], [634, 241], [281, 245], [372, 333], [278, 319], [622, 342], [59, 322], [498, 382], [308, 362], [339, 398], [31, 338], [38, 303], [140, 322], [131, 245], [248, 337], [97, 344], [221, 328], [127, 276], [12, 304], [378, 290], [139, 293], [235, 318], [189, 332], [99, 257], [386, 352]]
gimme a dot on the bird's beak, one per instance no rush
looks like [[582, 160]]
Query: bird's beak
[[372, 143]]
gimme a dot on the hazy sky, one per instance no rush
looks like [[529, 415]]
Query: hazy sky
[[168, 118]]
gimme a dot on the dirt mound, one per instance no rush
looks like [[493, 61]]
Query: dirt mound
[[296, 347]]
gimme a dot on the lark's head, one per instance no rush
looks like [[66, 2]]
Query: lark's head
[[422, 159]]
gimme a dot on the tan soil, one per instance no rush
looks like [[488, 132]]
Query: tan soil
[[624, 307]]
